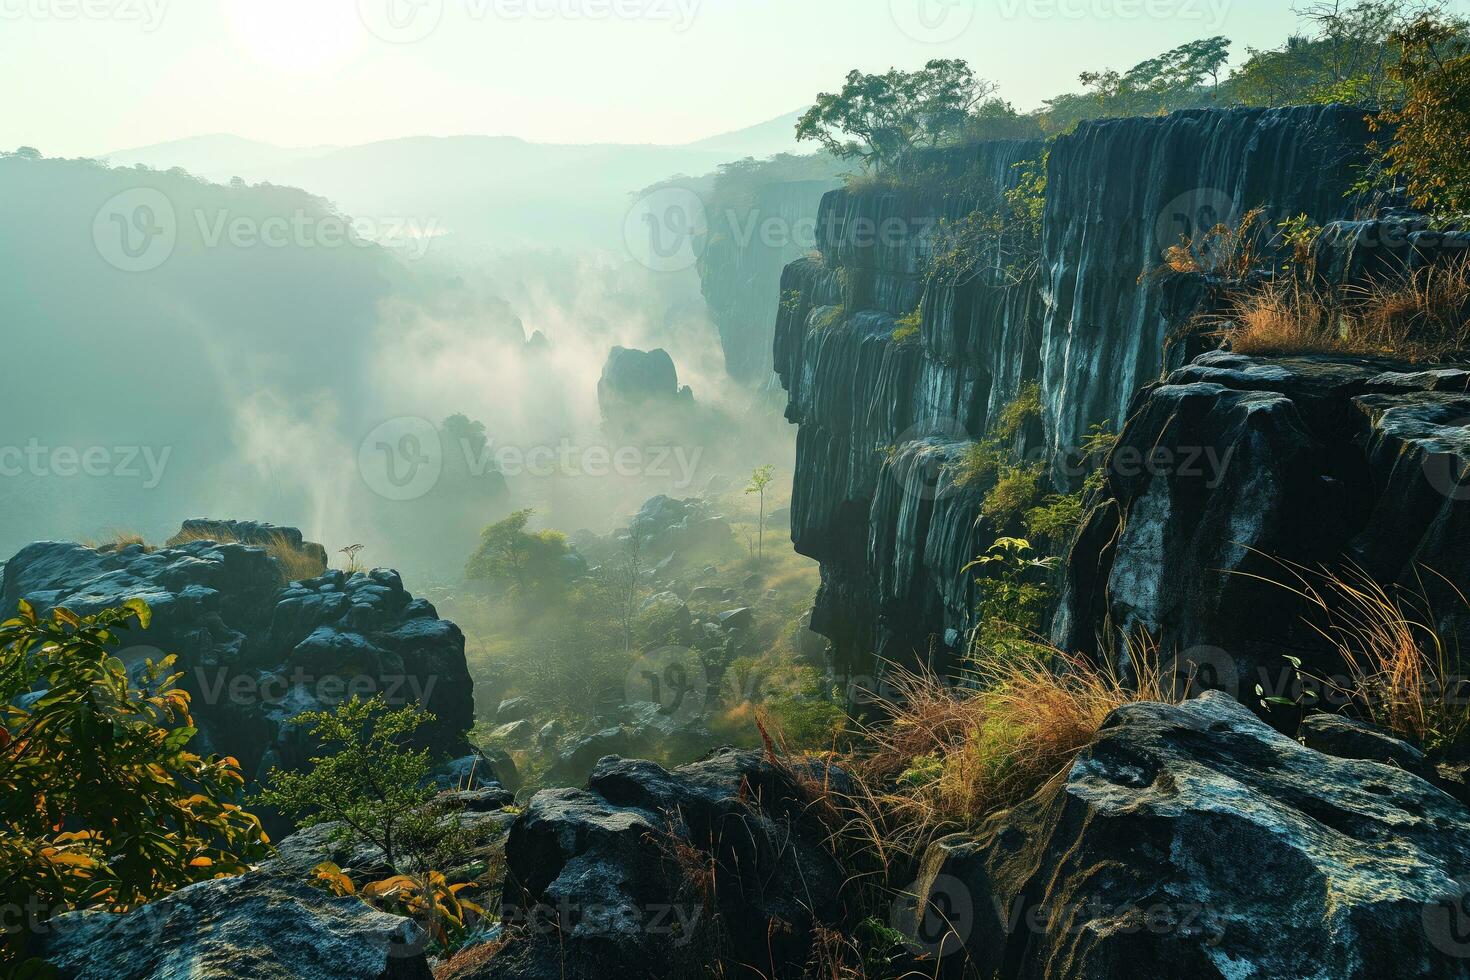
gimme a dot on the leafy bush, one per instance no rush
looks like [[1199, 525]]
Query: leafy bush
[[369, 779], [102, 805], [1430, 149], [1016, 489], [521, 561]]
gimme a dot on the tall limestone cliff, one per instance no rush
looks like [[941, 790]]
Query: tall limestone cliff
[[884, 411]]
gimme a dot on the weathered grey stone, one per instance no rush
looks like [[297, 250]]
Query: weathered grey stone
[[1195, 841], [258, 925]]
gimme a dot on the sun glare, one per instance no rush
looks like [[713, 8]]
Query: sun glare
[[289, 35]]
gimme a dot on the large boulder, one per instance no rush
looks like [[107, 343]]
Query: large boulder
[[1235, 473], [254, 653], [258, 925], [1196, 841], [657, 873]]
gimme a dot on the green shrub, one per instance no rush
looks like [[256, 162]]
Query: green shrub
[[1016, 489], [102, 805]]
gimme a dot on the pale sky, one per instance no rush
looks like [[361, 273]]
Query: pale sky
[[83, 77]]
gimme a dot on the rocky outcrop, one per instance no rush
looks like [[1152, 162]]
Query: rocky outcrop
[[257, 925], [1236, 471], [256, 533], [1195, 841], [634, 382], [651, 873], [879, 417], [254, 653]]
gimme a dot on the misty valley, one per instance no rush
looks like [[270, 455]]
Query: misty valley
[[950, 530]]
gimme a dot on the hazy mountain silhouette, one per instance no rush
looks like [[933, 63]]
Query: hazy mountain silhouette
[[481, 192]]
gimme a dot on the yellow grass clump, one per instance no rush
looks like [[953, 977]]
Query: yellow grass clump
[[294, 563], [1419, 316]]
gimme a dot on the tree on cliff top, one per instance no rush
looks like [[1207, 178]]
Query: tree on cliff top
[[1430, 149], [883, 120]]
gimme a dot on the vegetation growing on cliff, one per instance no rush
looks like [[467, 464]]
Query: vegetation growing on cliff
[[883, 121]]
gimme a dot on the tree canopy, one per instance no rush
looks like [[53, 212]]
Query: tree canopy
[[882, 120]]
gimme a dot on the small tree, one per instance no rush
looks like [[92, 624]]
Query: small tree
[[886, 118], [760, 479], [102, 805], [514, 557], [368, 778]]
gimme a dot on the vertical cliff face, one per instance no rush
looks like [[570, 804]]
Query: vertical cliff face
[[1120, 191], [881, 416], [740, 269]]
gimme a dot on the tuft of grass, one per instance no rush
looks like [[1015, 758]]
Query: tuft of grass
[[295, 564], [116, 539], [1400, 673], [909, 327], [1420, 315], [951, 755]]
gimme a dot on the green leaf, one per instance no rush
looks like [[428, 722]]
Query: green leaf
[[144, 613]]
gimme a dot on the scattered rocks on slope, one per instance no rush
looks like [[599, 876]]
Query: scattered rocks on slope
[[1195, 841]]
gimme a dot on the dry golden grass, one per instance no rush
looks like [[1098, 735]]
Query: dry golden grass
[[1420, 316], [1400, 674], [117, 539], [295, 564], [1226, 250], [947, 756]]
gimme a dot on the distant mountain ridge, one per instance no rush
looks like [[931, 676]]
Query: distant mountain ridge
[[488, 191]]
